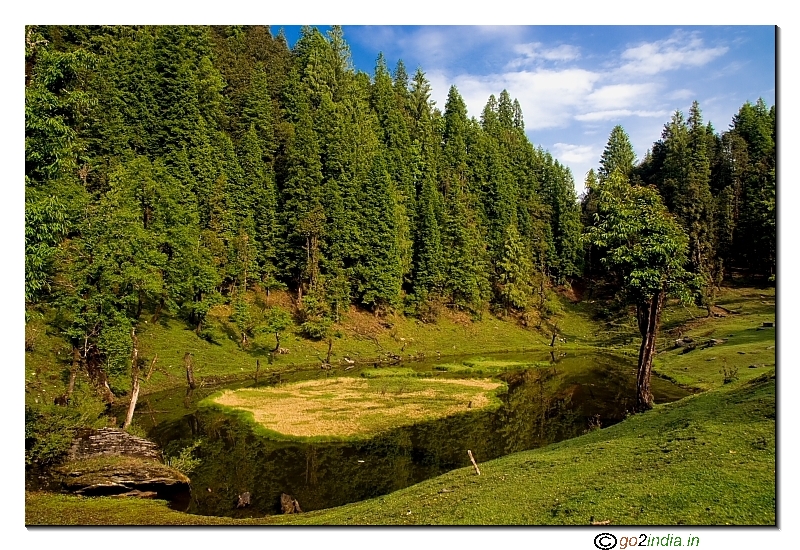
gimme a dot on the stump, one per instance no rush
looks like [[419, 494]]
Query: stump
[[244, 500], [289, 505]]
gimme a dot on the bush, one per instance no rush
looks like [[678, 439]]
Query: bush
[[314, 316], [182, 459], [49, 428], [729, 375], [317, 329]]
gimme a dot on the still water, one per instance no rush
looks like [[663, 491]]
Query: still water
[[555, 399]]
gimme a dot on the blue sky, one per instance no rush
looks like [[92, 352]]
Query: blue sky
[[575, 83]]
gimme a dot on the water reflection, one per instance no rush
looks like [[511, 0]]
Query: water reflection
[[544, 404]]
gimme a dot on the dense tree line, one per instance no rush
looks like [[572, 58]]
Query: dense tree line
[[173, 168], [699, 204]]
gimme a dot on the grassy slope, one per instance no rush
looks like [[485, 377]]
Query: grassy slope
[[708, 459], [361, 337]]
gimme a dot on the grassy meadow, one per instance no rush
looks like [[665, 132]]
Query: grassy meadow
[[708, 459]]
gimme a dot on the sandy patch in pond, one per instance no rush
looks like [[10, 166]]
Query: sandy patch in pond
[[354, 406]]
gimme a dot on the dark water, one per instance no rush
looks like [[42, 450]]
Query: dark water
[[558, 399]]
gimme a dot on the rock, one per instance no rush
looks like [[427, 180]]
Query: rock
[[767, 325], [714, 342], [111, 442], [109, 461], [116, 475], [244, 500], [289, 505]]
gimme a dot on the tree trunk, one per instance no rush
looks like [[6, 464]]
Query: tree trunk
[[258, 366], [99, 378], [277, 342], [187, 362], [157, 314], [648, 315], [134, 380], [73, 372]]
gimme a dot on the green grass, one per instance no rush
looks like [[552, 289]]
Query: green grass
[[360, 336], [747, 342], [705, 460], [486, 366]]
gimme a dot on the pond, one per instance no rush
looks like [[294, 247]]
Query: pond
[[549, 398]]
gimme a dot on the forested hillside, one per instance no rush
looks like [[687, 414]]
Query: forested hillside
[[172, 169], [169, 169]]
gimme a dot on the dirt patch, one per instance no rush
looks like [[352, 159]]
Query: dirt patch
[[574, 293], [354, 407]]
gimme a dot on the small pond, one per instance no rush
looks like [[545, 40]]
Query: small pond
[[555, 398]]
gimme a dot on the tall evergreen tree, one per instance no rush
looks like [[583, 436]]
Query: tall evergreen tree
[[617, 155]]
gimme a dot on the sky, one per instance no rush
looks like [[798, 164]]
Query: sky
[[575, 83]]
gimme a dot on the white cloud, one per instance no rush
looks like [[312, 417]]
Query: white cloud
[[568, 152], [548, 97], [680, 50], [536, 51], [615, 96], [437, 47], [615, 114]]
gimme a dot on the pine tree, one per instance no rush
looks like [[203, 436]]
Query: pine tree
[[756, 231], [617, 155], [515, 272], [302, 215], [378, 273], [397, 147]]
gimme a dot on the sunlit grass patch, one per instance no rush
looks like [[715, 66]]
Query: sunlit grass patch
[[486, 366], [355, 407], [747, 349], [389, 372]]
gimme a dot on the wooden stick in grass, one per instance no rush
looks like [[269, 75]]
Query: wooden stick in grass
[[150, 370], [475, 464]]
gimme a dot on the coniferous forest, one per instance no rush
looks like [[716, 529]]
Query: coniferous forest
[[173, 169]]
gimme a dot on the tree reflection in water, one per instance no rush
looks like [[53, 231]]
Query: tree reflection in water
[[543, 405]]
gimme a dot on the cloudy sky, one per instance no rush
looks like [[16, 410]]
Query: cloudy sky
[[575, 83]]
